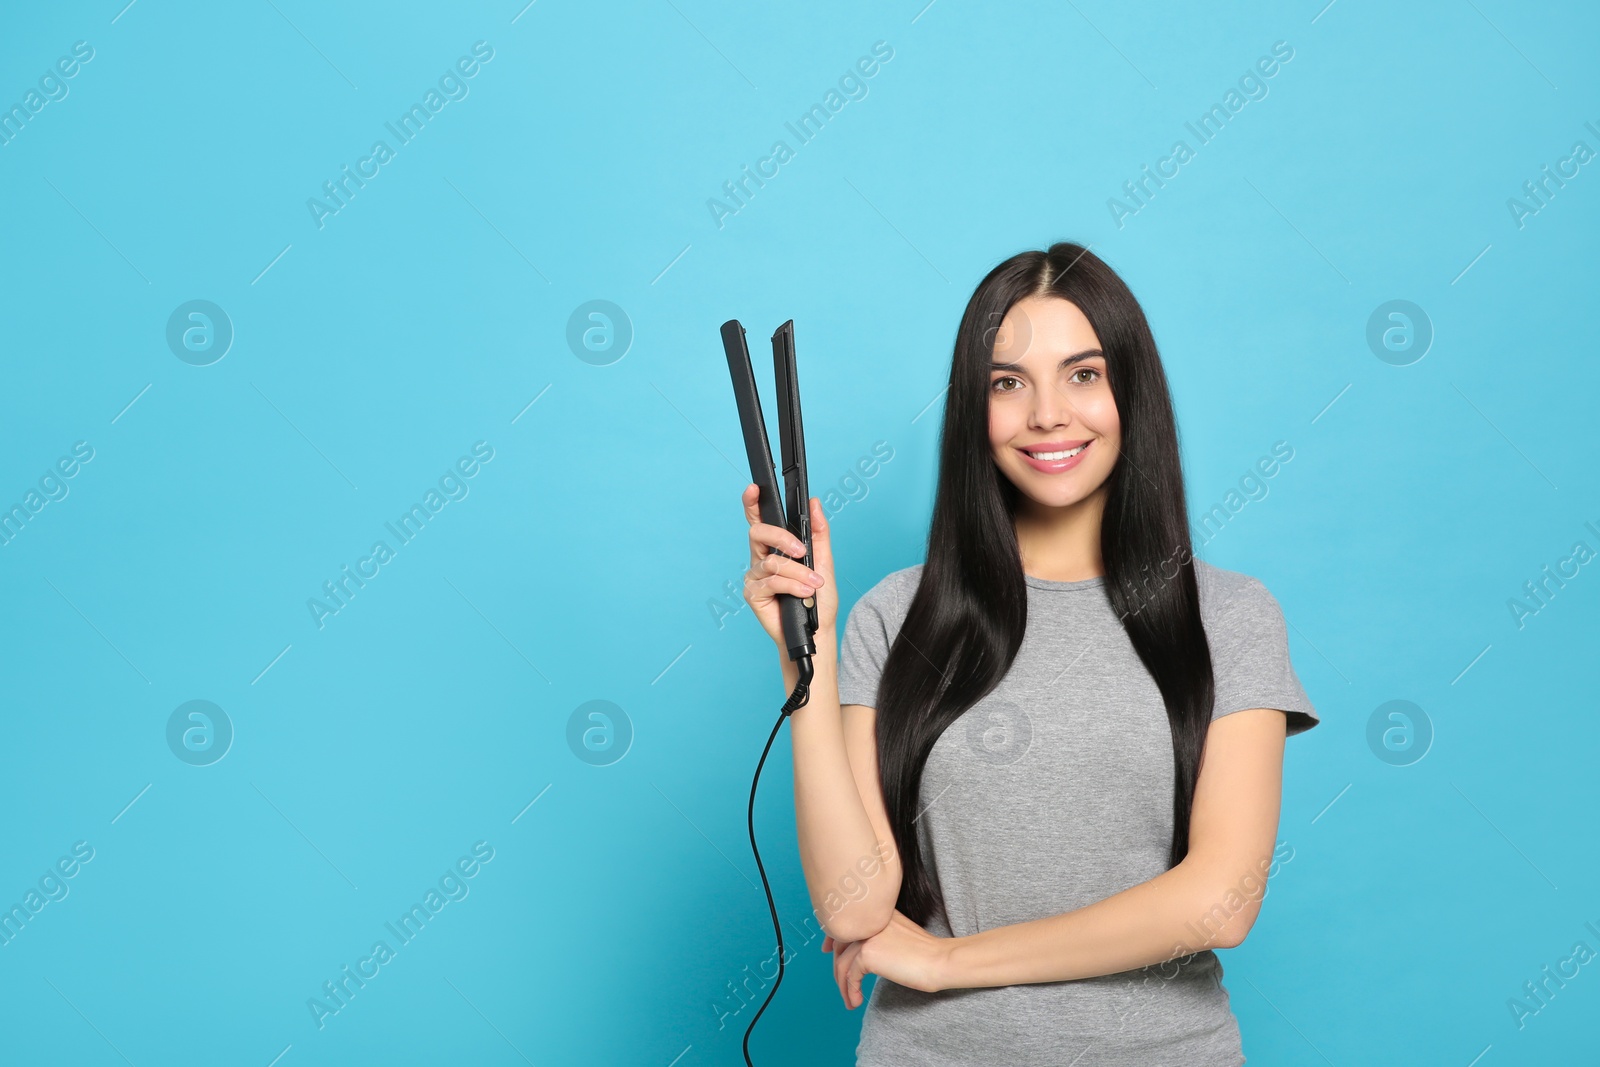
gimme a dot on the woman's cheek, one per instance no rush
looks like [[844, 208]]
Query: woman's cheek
[[1103, 415]]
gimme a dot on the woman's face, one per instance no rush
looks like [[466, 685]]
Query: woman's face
[[1053, 425]]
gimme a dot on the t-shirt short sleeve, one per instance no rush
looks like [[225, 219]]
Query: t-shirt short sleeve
[[1250, 660], [865, 645]]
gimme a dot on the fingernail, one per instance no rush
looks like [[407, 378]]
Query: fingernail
[[816, 578]]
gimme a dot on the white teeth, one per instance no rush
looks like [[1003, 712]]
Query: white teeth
[[1052, 456]]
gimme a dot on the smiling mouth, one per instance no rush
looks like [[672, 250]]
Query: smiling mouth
[[1050, 457]]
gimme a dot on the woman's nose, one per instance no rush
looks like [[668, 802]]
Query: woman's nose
[[1051, 409]]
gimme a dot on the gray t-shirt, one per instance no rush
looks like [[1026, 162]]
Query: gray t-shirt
[[1052, 793]]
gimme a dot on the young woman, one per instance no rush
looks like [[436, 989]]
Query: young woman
[[1040, 780]]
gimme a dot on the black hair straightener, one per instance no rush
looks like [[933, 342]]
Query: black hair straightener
[[792, 510]]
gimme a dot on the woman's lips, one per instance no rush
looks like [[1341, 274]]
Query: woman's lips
[[1055, 466]]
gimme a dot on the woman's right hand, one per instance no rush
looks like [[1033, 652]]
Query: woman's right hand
[[771, 574]]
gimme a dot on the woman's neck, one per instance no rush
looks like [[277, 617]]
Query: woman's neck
[[1061, 544]]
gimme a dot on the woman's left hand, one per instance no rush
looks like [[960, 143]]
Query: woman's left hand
[[902, 952]]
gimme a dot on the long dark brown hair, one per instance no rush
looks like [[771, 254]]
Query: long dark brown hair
[[971, 606]]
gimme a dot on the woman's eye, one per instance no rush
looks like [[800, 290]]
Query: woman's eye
[[998, 382], [1093, 374]]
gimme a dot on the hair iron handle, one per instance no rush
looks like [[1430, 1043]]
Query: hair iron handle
[[794, 615]]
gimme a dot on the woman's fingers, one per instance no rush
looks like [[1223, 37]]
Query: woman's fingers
[[764, 538], [821, 539], [848, 971], [766, 534], [784, 575], [777, 563], [853, 976], [751, 497], [778, 568], [841, 969]]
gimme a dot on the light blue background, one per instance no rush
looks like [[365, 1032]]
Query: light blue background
[[583, 565]]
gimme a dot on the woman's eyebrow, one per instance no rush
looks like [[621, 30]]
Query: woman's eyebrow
[[1067, 362]]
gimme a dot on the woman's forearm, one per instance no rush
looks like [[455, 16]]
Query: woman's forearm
[[850, 886], [1178, 912]]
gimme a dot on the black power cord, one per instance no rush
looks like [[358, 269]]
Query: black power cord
[[796, 701]]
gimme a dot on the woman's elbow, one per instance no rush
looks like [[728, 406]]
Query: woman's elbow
[[1231, 936], [1237, 928], [1220, 905], [858, 920], [861, 902]]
